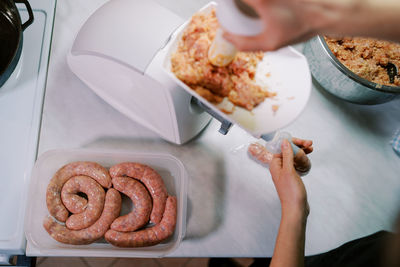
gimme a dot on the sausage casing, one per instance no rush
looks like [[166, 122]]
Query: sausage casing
[[95, 204], [112, 208], [142, 206], [259, 153], [151, 179], [53, 193], [149, 236], [74, 203]]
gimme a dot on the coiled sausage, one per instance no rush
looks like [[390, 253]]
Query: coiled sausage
[[95, 204], [151, 179], [112, 208], [74, 203], [141, 199], [53, 193], [149, 236]]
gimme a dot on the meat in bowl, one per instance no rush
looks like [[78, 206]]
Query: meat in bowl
[[369, 58]]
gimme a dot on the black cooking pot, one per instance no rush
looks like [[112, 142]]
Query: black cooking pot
[[11, 38]]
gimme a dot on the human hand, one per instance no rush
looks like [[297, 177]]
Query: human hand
[[291, 21], [305, 145], [301, 162], [288, 184]]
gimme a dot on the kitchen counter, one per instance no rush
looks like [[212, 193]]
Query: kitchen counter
[[233, 209]]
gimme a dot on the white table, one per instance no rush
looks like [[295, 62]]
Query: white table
[[233, 209]]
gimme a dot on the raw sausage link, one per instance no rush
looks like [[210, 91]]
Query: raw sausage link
[[260, 153], [95, 194], [53, 194], [73, 203], [149, 236], [141, 199], [151, 179], [62, 234]]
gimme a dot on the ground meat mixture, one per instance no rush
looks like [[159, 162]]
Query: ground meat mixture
[[367, 58], [236, 81]]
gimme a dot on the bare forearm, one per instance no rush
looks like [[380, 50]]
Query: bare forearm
[[366, 18], [289, 245]]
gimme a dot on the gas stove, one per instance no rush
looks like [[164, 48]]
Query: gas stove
[[21, 102]]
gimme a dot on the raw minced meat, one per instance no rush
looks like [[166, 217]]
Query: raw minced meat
[[236, 81], [366, 57]]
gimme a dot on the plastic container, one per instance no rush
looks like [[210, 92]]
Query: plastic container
[[170, 168]]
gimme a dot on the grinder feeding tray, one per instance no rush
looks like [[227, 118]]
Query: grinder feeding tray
[[284, 72], [123, 53]]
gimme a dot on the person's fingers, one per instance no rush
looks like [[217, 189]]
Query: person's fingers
[[256, 4], [298, 142], [274, 167], [299, 155], [245, 43], [306, 145], [251, 43], [308, 150], [260, 6], [301, 161], [287, 155], [302, 143], [277, 156]]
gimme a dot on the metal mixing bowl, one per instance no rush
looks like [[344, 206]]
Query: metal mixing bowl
[[337, 79]]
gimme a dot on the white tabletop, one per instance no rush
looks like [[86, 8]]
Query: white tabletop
[[233, 209]]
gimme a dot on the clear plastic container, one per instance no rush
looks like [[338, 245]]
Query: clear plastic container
[[40, 243]]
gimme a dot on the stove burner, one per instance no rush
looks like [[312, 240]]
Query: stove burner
[[8, 42], [9, 38], [12, 82]]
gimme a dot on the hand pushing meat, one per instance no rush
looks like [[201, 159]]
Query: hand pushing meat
[[302, 163]]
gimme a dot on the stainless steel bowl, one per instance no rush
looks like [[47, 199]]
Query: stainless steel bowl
[[337, 79]]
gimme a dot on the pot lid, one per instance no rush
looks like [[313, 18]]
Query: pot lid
[[9, 38]]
